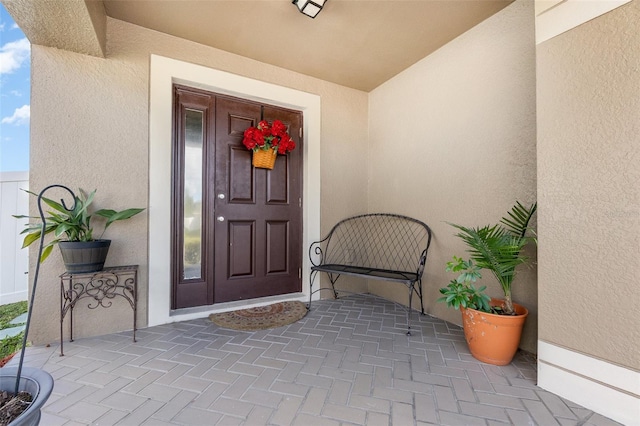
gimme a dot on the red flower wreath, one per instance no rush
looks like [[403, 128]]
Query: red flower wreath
[[267, 136]]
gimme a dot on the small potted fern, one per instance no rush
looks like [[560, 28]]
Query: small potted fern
[[492, 327]]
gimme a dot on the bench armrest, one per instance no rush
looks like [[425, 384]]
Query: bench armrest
[[316, 252], [421, 265]]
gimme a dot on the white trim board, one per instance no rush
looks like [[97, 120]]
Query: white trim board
[[554, 17], [163, 73], [607, 389]]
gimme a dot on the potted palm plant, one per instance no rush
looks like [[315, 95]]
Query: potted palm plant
[[72, 229], [492, 327]]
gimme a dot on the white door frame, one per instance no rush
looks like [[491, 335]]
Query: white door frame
[[164, 72]]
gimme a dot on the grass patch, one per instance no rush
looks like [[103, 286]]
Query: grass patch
[[11, 345], [9, 312]]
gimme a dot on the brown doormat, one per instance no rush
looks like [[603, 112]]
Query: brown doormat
[[262, 317]]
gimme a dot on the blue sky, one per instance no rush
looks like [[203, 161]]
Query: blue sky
[[15, 70]]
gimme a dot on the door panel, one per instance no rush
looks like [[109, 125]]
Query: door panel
[[241, 188], [278, 182], [252, 241], [277, 247], [241, 249]]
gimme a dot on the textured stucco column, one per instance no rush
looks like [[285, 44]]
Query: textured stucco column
[[589, 218]]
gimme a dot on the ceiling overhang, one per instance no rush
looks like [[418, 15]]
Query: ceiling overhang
[[356, 43], [74, 25]]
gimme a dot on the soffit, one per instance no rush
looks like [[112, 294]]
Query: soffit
[[355, 43], [74, 25]]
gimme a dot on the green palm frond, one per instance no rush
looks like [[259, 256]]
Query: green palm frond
[[495, 249], [519, 217]]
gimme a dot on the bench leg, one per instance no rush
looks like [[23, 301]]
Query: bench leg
[[409, 310], [421, 298], [312, 277], [333, 284]]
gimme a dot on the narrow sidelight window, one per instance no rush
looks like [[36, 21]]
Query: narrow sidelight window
[[193, 194]]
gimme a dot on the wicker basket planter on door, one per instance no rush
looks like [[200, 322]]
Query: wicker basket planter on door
[[264, 158]]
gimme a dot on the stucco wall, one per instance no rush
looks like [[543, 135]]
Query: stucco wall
[[588, 185], [453, 139], [90, 129]]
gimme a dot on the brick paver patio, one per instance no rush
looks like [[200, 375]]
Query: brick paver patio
[[348, 362]]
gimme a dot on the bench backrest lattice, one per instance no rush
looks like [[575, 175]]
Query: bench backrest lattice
[[380, 246], [382, 241]]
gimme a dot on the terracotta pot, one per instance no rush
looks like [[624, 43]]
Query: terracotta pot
[[492, 338]]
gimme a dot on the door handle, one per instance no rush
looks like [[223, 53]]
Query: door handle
[[220, 218], [221, 196]]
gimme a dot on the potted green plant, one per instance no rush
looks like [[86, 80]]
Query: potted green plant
[[492, 327], [73, 231]]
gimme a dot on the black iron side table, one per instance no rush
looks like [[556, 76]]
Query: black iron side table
[[100, 288]]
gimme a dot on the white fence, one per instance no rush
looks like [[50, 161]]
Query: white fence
[[14, 261]]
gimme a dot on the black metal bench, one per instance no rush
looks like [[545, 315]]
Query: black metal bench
[[379, 246]]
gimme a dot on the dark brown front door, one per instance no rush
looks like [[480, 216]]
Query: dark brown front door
[[251, 219]]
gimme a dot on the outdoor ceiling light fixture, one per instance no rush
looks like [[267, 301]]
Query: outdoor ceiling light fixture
[[310, 7]]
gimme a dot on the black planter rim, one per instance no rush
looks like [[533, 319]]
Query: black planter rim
[[87, 244]]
